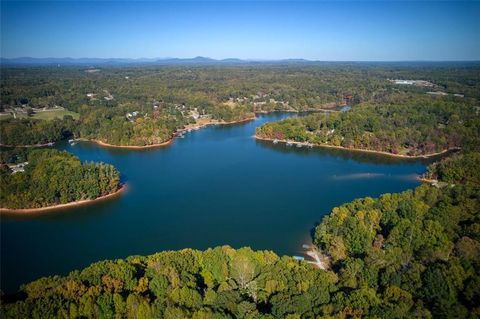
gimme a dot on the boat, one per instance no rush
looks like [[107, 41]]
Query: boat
[[275, 141], [299, 145], [289, 144]]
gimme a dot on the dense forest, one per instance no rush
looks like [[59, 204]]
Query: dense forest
[[52, 177], [14, 155], [407, 126], [144, 105], [457, 168], [412, 254], [302, 86], [34, 132]]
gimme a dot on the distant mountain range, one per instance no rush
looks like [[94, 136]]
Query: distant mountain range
[[199, 60]]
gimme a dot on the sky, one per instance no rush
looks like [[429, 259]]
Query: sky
[[315, 30]]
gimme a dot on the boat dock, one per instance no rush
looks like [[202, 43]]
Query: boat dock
[[316, 257]]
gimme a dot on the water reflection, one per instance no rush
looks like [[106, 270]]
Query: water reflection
[[357, 156]]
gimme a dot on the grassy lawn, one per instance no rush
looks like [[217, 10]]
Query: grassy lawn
[[50, 115], [45, 115]]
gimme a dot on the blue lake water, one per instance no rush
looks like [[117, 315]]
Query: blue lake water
[[216, 186]]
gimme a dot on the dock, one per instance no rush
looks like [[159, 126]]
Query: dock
[[318, 259]]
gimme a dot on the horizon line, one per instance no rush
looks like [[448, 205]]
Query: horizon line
[[153, 59]]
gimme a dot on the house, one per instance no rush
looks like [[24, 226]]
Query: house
[[438, 93], [18, 168], [412, 82], [404, 82], [194, 113], [109, 96], [261, 94]]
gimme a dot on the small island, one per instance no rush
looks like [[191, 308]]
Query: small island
[[52, 179]]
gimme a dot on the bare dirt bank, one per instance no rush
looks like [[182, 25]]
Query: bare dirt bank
[[134, 147]]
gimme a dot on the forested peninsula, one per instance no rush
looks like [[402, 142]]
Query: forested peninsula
[[50, 179], [411, 254], [31, 132], [407, 127]]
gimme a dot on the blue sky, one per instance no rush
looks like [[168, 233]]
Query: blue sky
[[317, 30]]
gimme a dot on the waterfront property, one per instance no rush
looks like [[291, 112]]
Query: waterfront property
[[217, 185]]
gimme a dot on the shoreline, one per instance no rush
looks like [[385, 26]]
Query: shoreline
[[427, 180], [170, 140], [433, 182], [176, 133], [167, 142], [359, 149], [321, 110], [212, 122], [28, 146], [60, 206], [278, 111]]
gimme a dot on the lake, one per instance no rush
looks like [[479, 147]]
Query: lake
[[216, 186]]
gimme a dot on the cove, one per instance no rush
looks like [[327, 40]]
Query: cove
[[217, 186]]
